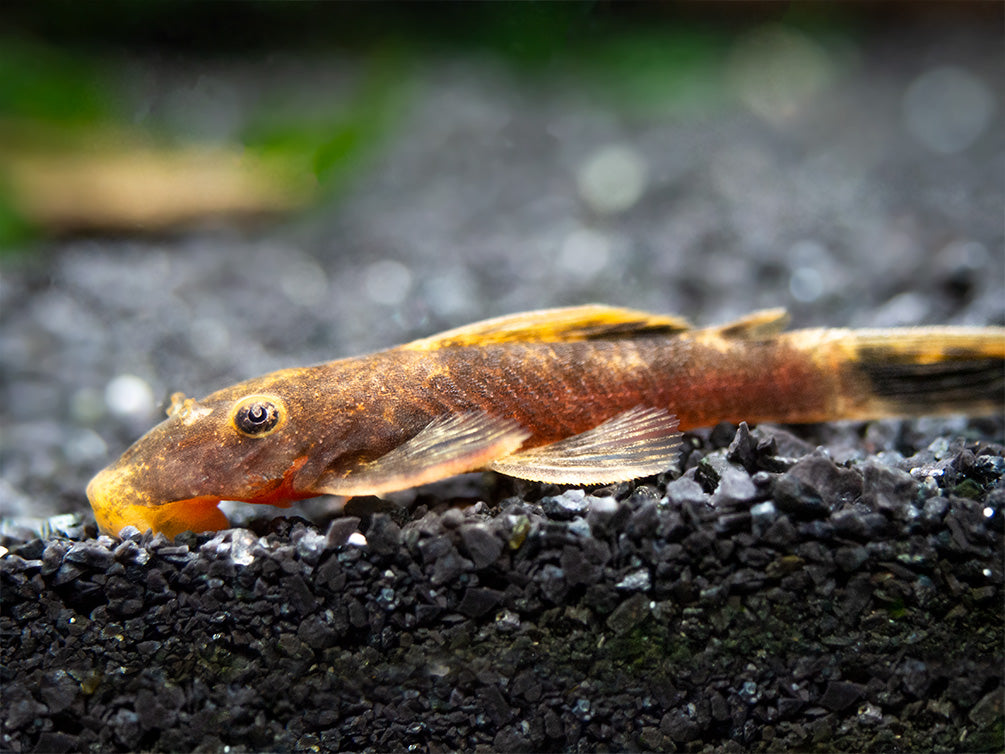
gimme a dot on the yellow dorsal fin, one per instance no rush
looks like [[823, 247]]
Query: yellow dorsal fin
[[589, 322], [756, 326]]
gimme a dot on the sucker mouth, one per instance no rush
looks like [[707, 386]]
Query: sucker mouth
[[117, 504]]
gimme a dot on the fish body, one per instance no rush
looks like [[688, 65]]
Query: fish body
[[582, 395]]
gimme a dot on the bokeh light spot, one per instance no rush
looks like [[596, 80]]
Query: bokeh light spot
[[387, 282], [584, 253], [947, 109], [129, 396], [612, 179], [777, 70]]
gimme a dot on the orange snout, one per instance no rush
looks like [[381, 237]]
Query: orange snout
[[118, 503]]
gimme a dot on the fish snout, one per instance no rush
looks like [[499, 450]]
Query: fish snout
[[108, 493], [118, 501]]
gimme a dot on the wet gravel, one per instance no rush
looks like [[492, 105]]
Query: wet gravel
[[759, 600], [835, 587]]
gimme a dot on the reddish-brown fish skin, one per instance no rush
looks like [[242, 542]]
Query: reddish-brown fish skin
[[560, 389], [548, 384]]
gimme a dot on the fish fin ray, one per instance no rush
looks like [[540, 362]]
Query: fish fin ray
[[759, 325], [452, 445], [639, 442], [574, 323]]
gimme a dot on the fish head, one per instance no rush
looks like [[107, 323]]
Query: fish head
[[244, 443]]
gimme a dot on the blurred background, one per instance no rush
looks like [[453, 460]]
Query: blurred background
[[192, 194]]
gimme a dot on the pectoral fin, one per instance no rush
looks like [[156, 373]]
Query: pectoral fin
[[634, 444], [452, 445]]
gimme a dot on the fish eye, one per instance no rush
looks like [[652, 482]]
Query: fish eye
[[258, 415]]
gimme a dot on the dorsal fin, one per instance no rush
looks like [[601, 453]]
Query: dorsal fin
[[755, 326], [590, 322]]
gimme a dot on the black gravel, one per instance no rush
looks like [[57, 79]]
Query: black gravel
[[824, 606], [827, 588]]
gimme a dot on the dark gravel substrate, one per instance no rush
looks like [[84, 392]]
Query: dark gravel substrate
[[766, 599], [835, 587]]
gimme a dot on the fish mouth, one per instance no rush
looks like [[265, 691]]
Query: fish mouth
[[117, 503]]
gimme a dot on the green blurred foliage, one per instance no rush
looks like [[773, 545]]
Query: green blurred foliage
[[332, 140], [14, 229], [63, 62], [42, 86], [41, 82], [658, 69]]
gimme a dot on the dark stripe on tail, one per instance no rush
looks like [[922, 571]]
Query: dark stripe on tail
[[933, 388]]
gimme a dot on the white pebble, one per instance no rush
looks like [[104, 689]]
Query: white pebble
[[357, 539], [242, 546], [602, 505]]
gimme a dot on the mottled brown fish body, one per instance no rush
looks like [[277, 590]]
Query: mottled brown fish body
[[560, 389], [578, 396], [556, 390]]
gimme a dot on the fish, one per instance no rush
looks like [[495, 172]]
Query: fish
[[583, 395]]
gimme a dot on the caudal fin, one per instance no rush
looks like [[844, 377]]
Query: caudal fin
[[922, 371]]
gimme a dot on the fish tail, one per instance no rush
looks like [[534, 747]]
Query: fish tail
[[916, 371]]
